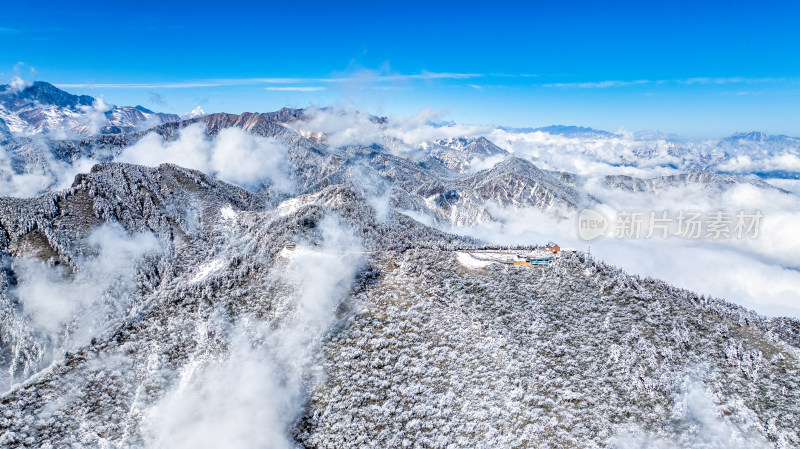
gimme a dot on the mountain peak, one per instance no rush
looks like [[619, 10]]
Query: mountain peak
[[143, 109], [196, 112], [574, 131], [752, 136], [47, 94]]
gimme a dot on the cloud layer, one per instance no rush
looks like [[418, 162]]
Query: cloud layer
[[233, 156]]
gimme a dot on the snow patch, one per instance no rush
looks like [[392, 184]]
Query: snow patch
[[292, 205], [468, 261], [227, 213], [289, 207], [196, 112], [206, 269]]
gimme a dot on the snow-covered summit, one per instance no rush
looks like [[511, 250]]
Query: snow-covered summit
[[196, 112]]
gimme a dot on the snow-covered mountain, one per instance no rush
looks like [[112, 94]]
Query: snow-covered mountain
[[576, 149], [43, 108], [567, 131], [415, 347], [196, 112], [309, 278], [708, 180], [457, 153]]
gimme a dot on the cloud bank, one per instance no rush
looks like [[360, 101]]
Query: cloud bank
[[346, 126], [233, 156]]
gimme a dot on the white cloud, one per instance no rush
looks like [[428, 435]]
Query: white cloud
[[599, 84], [242, 402], [619, 154], [248, 160], [746, 164], [699, 423], [296, 88], [791, 185], [253, 396], [364, 75], [687, 81], [777, 242], [95, 116], [18, 84], [97, 288], [346, 126], [40, 173], [342, 127], [736, 276], [729, 80], [233, 156], [381, 205], [623, 153], [24, 185], [478, 164]]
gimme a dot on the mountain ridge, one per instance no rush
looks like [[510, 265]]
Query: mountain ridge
[[42, 108]]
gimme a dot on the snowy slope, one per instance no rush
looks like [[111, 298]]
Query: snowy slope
[[42, 108], [196, 112], [159, 306], [415, 349]]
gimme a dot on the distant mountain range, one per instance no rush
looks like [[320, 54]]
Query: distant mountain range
[[439, 181], [566, 131], [42, 108]]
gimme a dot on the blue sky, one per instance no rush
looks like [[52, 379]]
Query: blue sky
[[700, 69]]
